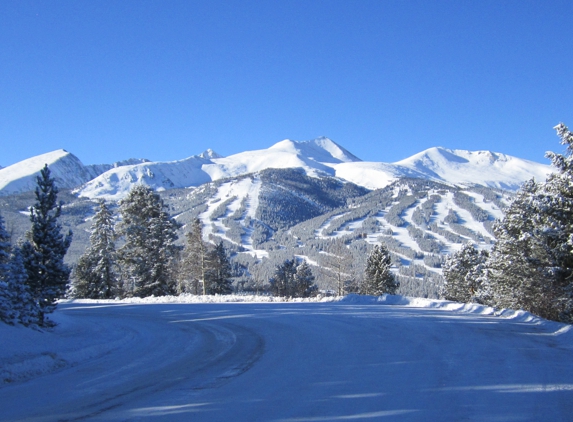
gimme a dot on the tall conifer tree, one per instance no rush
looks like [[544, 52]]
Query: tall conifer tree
[[150, 234], [377, 277], [96, 273], [218, 277], [45, 248]]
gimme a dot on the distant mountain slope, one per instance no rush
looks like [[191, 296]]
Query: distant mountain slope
[[316, 158], [66, 168], [322, 157], [456, 167]]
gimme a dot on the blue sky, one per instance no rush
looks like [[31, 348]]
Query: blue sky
[[163, 80]]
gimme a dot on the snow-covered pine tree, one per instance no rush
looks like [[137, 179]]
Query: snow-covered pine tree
[[462, 273], [531, 264], [304, 281], [96, 273], [378, 279], [193, 266], [26, 309], [45, 248], [7, 313], [218, 276], [282, 282], [150, 234]]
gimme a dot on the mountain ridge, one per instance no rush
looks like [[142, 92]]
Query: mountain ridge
[[317, 158]]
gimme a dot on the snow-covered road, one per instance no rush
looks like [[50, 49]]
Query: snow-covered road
[[295, 362]]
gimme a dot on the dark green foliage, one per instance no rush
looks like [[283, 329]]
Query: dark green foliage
[[463, 273], [218, 276], [393, 216], [96, 275], [44, 250], [466, 202], [150, 234], [289, 196], [378, 279], [283, 280], [531, 265], [304, 281], [291, 280], [194, 262]]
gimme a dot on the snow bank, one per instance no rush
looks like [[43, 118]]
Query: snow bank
[[189, 298], [446, 305], [27, 353]]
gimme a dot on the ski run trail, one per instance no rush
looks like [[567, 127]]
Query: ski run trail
[[359, 358]]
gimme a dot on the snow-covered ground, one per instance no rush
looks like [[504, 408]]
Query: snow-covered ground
[[360, 358]]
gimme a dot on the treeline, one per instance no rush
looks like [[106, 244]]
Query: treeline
[[531, 264], [148, 262]]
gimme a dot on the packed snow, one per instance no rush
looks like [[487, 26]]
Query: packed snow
[[203, 358]]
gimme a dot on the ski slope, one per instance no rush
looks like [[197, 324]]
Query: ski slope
[[349, 360]]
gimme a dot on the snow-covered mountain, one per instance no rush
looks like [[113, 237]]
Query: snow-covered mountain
[[322, 157], [456, 167], [317, 158], [65, 167]]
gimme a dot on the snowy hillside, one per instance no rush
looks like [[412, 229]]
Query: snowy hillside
[[317, 158], [267, 217], [311, 156], [456, 167], [322, 157], [66, 168]]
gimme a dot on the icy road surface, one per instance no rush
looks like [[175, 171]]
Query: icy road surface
[[294, 362]]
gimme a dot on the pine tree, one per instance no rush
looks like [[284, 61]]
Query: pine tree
[[96, 273], [25, 307], [463, 272], [193, 268], [7, 312], [304, 281], [531, 264], [150, 234], [282, 282], [45, 248], [377, 277], [218, 277]]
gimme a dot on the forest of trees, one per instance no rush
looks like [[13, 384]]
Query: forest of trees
[[531, 264]]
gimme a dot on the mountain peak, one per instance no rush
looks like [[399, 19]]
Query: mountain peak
[[66, 168], [323, 150], [209, 154]]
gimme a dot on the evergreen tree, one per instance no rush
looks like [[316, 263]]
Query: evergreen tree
[[96, 274], [218, 276], [531, 264], [377, 277], [25, 307], [463, 272], [45, 248], [281, 284], [150, 234], [7, 313], [193, 268], [304, 281]]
